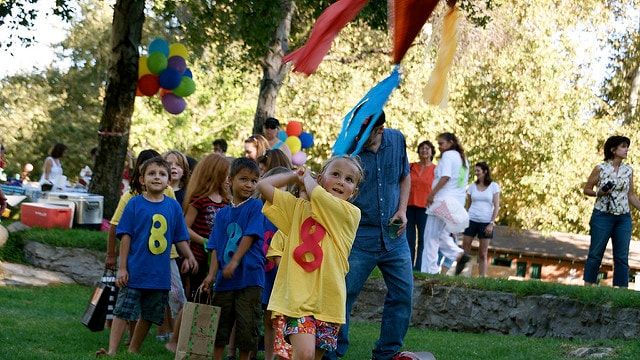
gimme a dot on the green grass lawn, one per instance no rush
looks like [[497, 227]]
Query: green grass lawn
[[44, 323]]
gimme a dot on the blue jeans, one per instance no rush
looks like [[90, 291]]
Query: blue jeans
[[618, 228], [396, 269], [416, 218]]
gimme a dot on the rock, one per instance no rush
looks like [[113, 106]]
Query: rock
[[592, 352], [460, 309], [17, 226], [23, 275], [84, 266]]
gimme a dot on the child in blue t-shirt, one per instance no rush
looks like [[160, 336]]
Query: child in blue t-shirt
[[236, 248], [149, 225]]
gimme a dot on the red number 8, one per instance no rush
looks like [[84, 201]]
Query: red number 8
[[311, 233]]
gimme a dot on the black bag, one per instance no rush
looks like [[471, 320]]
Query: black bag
[[96, 312]]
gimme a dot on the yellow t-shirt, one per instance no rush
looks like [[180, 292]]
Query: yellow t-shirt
[[322, 292], [276, 248], [124, 200]]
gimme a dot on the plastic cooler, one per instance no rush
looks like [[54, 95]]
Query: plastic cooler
[[46, 215]]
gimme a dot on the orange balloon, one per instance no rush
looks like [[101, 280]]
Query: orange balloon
[[138, 93], [294, 128]]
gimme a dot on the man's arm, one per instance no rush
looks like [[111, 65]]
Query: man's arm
[[401, 213]]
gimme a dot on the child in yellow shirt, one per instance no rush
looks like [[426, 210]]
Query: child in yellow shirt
[[310, 288]]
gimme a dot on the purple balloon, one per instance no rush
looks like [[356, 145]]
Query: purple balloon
[[187, 72], [170, 78], [177, 63], [173, 103]]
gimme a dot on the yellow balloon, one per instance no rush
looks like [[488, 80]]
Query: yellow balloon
[[143, 69], [294, 144], [178, 49]]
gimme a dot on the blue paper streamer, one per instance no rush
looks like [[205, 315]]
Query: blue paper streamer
[[370, 106]]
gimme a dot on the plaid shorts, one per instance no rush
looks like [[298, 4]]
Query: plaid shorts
[[326, 333], [134, 304]]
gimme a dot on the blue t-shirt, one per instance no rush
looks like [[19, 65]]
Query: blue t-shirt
[[232, 223], [379, 194], [153, 227]]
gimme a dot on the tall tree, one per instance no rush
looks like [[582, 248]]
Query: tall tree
[[126, 32]]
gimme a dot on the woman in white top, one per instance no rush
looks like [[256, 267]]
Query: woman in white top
[[611, 216], [52, 167], [483, 200], [450, 179]]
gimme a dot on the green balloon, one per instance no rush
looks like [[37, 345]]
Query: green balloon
[[187, 87], [156, 62]]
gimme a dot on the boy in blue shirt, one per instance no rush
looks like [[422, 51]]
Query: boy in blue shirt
[[150, 224], [236, 246]]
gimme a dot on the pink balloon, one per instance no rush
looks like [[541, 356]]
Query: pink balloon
[[173, 103], [299, 158]]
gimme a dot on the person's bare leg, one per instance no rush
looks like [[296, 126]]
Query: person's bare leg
[[142, 329], [269, 336], [483, 251], [132, 329], [173, 342], [466, 244], [165, 328], [304, 346], [118, 327]]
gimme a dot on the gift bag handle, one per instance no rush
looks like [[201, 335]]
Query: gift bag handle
[[198, 296]]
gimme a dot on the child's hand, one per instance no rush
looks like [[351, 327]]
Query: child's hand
[[189, 263], [123, 278], [110, 262], [206, 284], [229, 269], [301, 173]]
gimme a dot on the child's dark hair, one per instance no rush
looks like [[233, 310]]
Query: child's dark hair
[[136, 185], [487, 173], [612, 143], [243, 163], [158, 160]]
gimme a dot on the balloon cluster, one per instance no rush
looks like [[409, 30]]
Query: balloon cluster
[[296, 140], [165, 70]]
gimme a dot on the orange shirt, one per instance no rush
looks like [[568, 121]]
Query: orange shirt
[[421, 181]]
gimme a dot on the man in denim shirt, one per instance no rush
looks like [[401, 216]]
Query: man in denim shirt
[[382, 199]]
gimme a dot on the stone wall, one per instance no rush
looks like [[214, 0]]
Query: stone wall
[[469, 310], [83, 266]]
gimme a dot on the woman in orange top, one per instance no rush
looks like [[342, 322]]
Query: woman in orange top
[[421, 179]]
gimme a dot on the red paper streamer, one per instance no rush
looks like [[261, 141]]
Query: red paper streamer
[[307, 58]]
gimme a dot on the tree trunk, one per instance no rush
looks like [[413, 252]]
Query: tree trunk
[[273, 70], [128, 18]]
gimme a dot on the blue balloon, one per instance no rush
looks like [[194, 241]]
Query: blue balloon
[[282, 135], [170, 78], [188, 73], [306, 139], [160, 45]]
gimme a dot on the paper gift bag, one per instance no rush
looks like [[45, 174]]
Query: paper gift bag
[[96, 311], [197, 331]]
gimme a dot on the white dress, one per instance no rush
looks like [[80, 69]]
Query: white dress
[[54, 173]]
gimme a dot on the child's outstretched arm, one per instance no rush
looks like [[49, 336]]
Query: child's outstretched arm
[[243, 247], [213, 271], [190, 261], [305, 177], [123, 275], [267, 186]]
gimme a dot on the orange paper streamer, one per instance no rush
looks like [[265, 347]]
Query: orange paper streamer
[[436, 92]]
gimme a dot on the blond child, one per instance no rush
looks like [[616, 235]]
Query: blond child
[[310, 288]]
